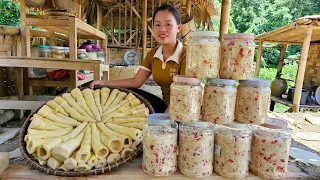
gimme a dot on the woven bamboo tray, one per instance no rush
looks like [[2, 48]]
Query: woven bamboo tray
[[34, 163]]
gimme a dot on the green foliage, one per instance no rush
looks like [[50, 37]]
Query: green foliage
[[9, 13]]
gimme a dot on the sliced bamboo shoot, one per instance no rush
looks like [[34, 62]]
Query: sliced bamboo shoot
[[35, 116], [74, 132], [71, 162], [34, 143], [137, 125], [101, 163], [112, 142], [83, 167], [113, 158], [47, 112], [39, 124], [42, 163], [55, 106], [62, 167], [53, 163], [135, 144], [84, 152], [113, 108], [68, 97], [126, 140], [44, 150], [88, 96], [135, 134], [128, 120], [120, 97], [111, 98], [47, 134], [125, 153], [140, 113], [96, 95], [65, 150], [130, 96], [135, 102], [77, 94], [93, 160], [73, 113], [98, 148], [104, 95], [140, 106]]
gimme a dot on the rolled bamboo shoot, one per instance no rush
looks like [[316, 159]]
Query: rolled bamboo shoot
[[53, 163], [125, 153], [98, 148], [113, 158], [55, 106], [88, 96], [104, 95], [135, 134], [77, 94]]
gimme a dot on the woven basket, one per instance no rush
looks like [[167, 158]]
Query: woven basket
[[34, 163]]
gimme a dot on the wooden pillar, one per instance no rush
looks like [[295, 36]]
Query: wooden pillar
[[99, 19], [301, 70], [144, 28], [258, 61], [73, 50], [281, 60], [224, 21]]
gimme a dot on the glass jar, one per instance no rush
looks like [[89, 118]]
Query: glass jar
[[232, 145], [237, 55], [195, 157], [219, 101], [100, 55], [82, 54], [45, 51], [270, 152], [253, 99], [92, 54], [203, 55], [185, 99], [57, 52], [66, 52], [35, 50], [160, 145]]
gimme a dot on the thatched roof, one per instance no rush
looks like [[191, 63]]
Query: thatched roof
[[293, 33]]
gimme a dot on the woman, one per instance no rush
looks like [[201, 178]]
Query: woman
[[163, 62]]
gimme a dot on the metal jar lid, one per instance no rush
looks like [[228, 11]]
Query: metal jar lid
[[159, 119], [222, 81], [255, 82], [186, 79]]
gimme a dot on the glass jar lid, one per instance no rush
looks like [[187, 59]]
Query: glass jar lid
[[186, 79], [204, 33], [239, 36], [159, 119], [56, 47], [255, 82], [222, 81]]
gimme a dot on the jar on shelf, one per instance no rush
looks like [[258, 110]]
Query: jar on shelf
[[237, 55], [92, 54], [185, 99], [195, 157], [57, 52], [253, 99], [232, 145], [35, 50], [160, 145], [219, 101], [270, 152], [45, 51], [100, 55], [66, 52], [203, 55], [82, 54]]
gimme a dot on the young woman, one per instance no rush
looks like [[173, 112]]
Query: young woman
[[162, 62]]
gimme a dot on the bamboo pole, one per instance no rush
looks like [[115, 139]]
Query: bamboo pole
[[144, 28], [99, 19], [112, 28], [119, 27], [137, 24], [131, 14], [125, 23], [281, 60], [225, 15], [258, 61], [152, 8], [301, 70], [73, 31]]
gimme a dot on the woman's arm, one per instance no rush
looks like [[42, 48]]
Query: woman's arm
[[135, 82]]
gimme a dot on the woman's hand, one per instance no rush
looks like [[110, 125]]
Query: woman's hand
[[98, 83]]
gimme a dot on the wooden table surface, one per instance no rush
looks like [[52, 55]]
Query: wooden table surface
[[130, 170]]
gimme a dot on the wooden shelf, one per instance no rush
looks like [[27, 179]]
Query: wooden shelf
[[61, 24], [290, 104]]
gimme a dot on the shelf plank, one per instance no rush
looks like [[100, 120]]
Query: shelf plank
[[46, 83], [46, 22], [91, 30]]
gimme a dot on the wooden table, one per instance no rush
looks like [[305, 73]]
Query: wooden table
[[130, 171]]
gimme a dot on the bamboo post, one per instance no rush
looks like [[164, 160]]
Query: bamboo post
[[281, 60], [125, 23], [224, 21], [73, 49], [258, 61], [137, 25], [112, 27], [99, 19], [131, 14], [144, 28], [301, 70], [119, 27], [152, 10]]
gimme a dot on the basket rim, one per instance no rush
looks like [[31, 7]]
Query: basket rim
[[35, 164]]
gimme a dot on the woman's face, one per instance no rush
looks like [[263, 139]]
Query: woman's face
[[165, 28]]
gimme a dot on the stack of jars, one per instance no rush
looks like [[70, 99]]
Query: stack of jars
[[221, 102]]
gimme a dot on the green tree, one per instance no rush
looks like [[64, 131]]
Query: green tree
[[9, 13]]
